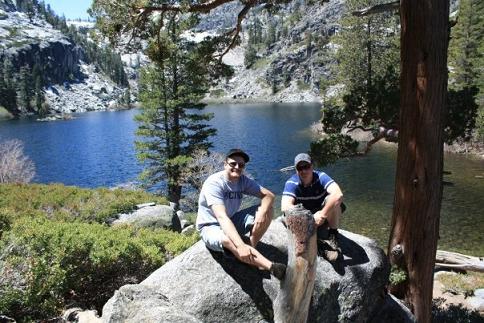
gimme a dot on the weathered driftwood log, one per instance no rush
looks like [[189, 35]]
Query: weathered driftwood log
[[454, 260], [292, 301]]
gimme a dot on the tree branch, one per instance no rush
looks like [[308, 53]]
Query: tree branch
[[238, 26], [352, 128], [385, 7], [197, 7]]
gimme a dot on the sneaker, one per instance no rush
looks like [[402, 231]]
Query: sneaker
[[278, 270]]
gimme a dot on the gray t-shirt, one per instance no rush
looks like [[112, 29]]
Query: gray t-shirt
[[218, 190]]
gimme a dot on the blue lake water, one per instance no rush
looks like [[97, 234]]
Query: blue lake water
[[96, 149]]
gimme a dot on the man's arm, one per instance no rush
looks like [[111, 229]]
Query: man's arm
[[231, 232], [267, 200], [334, 199], [263, 216], [287, 202]]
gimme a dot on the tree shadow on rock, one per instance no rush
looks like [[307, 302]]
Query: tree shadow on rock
[[250, 278], [453, 313]]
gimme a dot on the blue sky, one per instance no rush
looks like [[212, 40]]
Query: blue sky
[[72, 9]]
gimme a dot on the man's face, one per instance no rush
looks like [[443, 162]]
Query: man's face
[[234, 167], [305, 172]]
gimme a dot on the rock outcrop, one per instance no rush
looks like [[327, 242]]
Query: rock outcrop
[[158, 216], [209, 287]]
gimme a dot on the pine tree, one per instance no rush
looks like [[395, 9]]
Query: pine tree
[[39, 96], [171, 122], [25, 88], [466, 62]]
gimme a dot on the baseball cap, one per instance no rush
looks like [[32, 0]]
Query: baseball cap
[[302, 157], [237, 152]]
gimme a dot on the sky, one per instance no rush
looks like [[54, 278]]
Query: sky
[[72, 9]]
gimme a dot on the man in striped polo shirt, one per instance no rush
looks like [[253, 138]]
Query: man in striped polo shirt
[[320, 194]]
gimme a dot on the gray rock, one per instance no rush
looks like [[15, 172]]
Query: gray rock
[[476, 303], [189, 229], [79, 315], [140, 206], [213, 288], [479, 293], [181, 215], [393, 311], [159, 216], [137, 303]]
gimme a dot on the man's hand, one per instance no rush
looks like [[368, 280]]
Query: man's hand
[[245, 253], [320, 218]]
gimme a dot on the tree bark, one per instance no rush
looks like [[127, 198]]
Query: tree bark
[[418, 185]]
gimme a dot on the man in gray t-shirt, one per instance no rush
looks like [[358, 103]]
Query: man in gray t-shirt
[[220, 222]]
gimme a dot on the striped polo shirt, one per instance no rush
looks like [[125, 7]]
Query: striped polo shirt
[[312, 196]]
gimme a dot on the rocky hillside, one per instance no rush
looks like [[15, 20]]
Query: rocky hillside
[[69, 84], [289, 67]]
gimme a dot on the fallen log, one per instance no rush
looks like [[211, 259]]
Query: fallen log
[[458, 261]]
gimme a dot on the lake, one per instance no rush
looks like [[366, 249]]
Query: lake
[[96, 149]]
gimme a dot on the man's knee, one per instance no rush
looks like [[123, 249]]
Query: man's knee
[[213, 237]]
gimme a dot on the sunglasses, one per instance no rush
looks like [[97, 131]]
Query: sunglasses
[[233, 164], [303, 167]]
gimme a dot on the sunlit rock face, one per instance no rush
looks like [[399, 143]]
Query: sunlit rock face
[[209, 287]]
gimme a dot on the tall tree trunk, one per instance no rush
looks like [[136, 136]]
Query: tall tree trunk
[[418, 186]]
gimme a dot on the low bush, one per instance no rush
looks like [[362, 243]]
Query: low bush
[[69, 203], [49, 265], [56, 250]]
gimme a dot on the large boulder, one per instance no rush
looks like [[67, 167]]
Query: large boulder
[[157, 216], [209, 287]]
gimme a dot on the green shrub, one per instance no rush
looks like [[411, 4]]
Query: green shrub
[[70, 203], [397, 275], [217, 93], [48, 265], [302, 86]]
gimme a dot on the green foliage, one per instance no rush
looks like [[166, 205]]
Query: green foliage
[[368, 57], [70, 203], [250, 56], [461, 115], [397, 275], [330, 148], [218, 93], [171, 124], [466, 60], [303, 86], [54, 254], [62, 263]]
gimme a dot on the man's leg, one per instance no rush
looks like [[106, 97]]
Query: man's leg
[[216, 240], [333, 217]]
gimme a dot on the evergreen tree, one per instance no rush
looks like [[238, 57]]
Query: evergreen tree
[[466, 62], [8, 95], [171, 122], [25, 88], [250, 56], [368, 57], [39, 97]]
